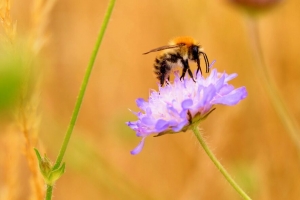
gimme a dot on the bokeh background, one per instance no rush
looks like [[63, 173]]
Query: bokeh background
[[249, 138]]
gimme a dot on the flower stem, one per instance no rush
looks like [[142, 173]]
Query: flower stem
[[49, 192], [276, 100], [218, 164], [81, 93]]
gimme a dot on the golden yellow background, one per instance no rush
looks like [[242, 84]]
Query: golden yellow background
[[249, 138]]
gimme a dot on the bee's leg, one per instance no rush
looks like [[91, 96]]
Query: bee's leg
[[186, 67], [198, 67], [165, 74], [163, 77], [191, 74], [160, 69], [183, 73], [162, 80], [160, 77], [185, 64], [168, 79]]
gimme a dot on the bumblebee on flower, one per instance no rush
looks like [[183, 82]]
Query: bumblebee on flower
[[178, 106]]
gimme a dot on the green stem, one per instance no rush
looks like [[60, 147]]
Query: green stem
[[218, 164], [276, 100], [83, 85], [49, 192], [81, 93]]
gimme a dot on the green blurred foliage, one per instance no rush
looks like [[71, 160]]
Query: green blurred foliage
[[11, 77]]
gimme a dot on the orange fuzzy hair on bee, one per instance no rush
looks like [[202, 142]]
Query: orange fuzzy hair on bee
[[188, 41]]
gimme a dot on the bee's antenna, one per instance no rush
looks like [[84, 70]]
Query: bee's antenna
[[206, 60]]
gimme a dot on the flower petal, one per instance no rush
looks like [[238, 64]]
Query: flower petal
[[139, 147], [140, 102], [208, 95], [161, 125], [233, 98], [186, 104], [230, 77], [180, 126], [132, 125], [147, 121]]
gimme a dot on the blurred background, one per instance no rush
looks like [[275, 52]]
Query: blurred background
[[53, 41]]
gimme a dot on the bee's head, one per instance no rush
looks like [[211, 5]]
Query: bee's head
[[194, 52]]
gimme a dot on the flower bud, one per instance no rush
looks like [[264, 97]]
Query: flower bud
[[255, 6], [50, 174]]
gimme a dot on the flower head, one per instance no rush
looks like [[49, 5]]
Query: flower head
[[175, 107]]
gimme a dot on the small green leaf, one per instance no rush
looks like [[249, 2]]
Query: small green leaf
[[38, 155], [56, 174]]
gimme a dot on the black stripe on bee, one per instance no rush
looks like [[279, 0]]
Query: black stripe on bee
[[173, 57]]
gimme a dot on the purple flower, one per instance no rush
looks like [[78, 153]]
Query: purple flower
[[175, 107]]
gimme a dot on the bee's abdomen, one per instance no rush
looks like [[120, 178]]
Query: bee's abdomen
[[163, 66]]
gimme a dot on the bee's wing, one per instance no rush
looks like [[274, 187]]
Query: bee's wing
[[165, 47]]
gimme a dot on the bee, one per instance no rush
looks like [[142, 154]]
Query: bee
[[178, 53]]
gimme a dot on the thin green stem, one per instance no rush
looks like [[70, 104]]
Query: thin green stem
[[81, 93], [218, 164], [84, 85], [287, 119], [49, 192]]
